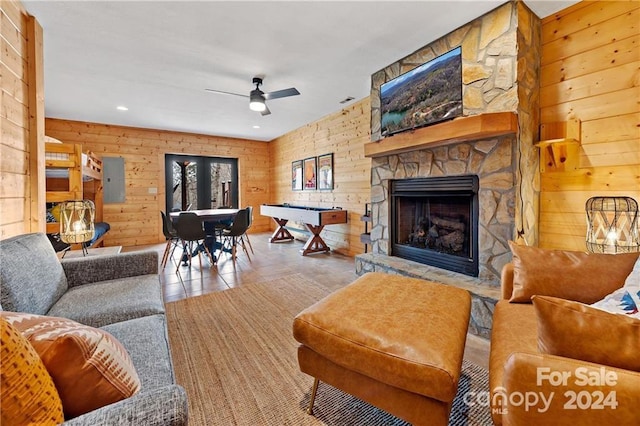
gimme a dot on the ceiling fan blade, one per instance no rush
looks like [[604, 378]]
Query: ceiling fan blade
[[266, 110], [292, 91], [221, 92]]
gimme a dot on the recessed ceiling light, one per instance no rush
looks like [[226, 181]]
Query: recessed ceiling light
[[256, 127], [122, 108]]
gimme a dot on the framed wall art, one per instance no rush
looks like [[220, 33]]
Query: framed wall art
[[310, 173], [325, 171], [296, 175]]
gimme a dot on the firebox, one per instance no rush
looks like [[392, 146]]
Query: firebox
[[434, 221]]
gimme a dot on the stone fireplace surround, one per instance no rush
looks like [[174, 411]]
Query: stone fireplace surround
[[494, 162], [500, 51]]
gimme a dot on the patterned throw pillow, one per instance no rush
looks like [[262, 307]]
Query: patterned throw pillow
[[50, 217], [28, 395], [625, 300], [633, 280], [89, 367]]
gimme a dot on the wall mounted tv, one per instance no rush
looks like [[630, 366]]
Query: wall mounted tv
[[425, 95]]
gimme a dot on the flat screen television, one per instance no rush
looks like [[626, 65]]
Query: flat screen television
[[425, 95]]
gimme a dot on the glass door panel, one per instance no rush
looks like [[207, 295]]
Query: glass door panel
[[194, 182], [222, 187]]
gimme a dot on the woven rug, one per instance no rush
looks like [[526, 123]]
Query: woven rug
[[235, 355]]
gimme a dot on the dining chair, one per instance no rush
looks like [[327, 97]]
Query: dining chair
[[224, 224], [246, 235], [233, 234], [171, 236], [190, 230]]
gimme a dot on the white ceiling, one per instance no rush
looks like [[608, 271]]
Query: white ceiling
[[156, 58]]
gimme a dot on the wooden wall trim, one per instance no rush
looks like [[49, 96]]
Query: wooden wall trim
[[35, 76]]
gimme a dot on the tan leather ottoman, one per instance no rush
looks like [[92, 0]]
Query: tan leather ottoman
[[392, 341]]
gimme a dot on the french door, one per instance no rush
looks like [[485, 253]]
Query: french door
[[194, 182]]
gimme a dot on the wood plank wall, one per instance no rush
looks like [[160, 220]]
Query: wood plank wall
[[14, 124], [137, 221], [590, 71], [343, 134]]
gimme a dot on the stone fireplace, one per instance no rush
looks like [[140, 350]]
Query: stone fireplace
[[491, 163], [493, 142]]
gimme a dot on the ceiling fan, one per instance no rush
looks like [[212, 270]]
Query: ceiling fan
[[258, 98]]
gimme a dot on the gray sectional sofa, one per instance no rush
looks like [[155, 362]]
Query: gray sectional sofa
[[120, 294]]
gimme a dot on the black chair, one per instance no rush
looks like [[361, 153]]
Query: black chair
[[245, 235], [171, 236], [224, 224], [232, 235], [189, 230]]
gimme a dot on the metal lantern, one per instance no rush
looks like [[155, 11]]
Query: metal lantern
[[77, 221], [612, 225]]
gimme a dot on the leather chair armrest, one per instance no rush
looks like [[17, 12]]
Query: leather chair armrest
[[506, 281], [540, 388]]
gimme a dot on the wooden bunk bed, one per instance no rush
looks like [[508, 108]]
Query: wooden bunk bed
[[73, 175]]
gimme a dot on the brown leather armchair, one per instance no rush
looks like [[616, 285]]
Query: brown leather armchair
[[531, 388]]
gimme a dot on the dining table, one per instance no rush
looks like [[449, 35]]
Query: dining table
[[209, 215], [210, 218]]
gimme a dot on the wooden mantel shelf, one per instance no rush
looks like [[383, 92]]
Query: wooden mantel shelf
[[463, 129]]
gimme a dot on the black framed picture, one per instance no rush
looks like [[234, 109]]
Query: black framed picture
[[325, 171], [296, 175], [310, 173]]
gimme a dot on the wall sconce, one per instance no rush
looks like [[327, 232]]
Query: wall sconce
[[612, 225], [76, 222]]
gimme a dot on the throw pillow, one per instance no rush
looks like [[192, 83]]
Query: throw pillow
[[633, 280], [55, 212], [89, 367], [28, 395], [574, 330], [625, 301], [572, 275]]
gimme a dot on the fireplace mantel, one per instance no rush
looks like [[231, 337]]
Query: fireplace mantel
[[463, 129]]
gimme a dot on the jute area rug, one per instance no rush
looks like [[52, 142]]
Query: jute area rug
[[235, 355]]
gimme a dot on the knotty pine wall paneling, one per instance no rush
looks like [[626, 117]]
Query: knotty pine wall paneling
[[344, 134], [590, 70], [137, 221], [21, 122]]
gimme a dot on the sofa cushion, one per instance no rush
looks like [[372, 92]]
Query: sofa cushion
[[574, 330], [31, 278], [572, 275], [28, 393], [148, 345], [89, 367], [107, 302]]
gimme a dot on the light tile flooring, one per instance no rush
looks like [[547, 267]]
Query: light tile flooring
[[270, 261]]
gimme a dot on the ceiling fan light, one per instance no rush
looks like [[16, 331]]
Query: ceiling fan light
[[256, 101], [258, 106]]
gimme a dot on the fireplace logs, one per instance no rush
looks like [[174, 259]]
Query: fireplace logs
[[444, 234]]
